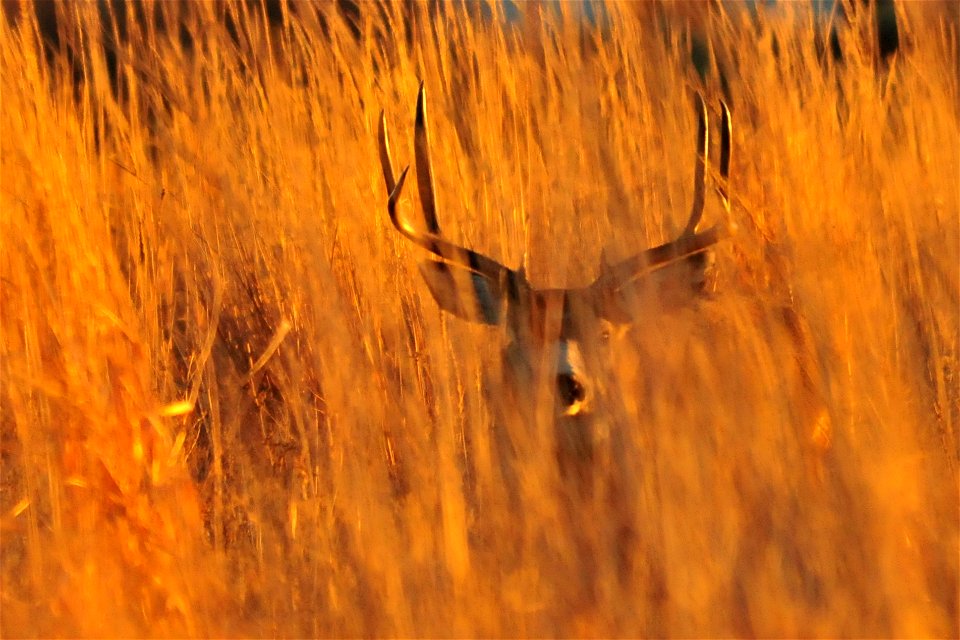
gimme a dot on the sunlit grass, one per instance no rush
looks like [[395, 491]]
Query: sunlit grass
[[230, 406]]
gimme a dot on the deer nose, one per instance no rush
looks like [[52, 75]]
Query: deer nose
[[570, 389]]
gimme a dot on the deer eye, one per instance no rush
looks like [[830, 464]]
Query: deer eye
[[605, 335]]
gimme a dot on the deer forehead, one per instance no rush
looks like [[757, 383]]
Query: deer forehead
[[545, 316]]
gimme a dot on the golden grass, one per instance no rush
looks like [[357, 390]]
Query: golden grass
[[230, 407]]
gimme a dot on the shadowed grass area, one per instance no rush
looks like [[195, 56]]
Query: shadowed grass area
[[229, 405]]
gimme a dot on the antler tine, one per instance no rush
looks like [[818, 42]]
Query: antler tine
[[385, 162], [726, 133], [421, 142], [700, 169]]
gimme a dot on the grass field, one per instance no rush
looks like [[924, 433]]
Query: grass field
[[229, 406]]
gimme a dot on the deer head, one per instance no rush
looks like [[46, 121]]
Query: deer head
[[557, 335]]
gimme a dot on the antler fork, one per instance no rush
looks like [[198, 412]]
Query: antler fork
[[430, 240], [690, 241]]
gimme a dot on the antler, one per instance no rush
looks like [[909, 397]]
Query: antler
[[690, 242], [612, 278], [430, 240]]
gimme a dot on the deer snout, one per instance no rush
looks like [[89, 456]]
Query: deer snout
[[571, 386], [570, 390]]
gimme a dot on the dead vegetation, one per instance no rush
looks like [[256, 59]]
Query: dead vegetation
[[229, 406]]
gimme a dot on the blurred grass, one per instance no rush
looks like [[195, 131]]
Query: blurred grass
[[230, 407]]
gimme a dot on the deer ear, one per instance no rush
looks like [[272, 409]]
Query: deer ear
[[666, 288], [464, 293]]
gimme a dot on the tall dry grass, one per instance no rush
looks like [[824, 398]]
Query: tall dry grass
[[230, 407]]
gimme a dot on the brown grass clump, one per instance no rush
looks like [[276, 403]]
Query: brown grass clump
[[229, 406]]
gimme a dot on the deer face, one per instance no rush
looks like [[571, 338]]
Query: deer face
[[557, 338]]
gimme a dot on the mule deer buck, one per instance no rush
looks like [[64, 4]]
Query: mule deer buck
[[556, 335]]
